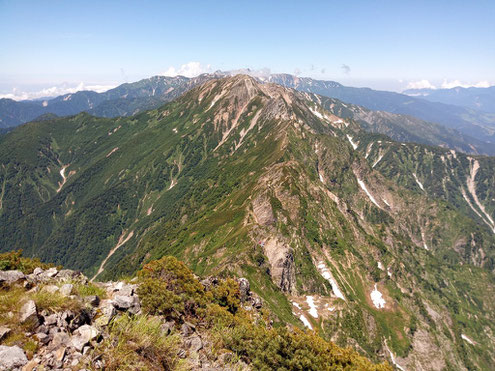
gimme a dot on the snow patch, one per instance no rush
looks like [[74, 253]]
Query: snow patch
[[424, 243], [378, 160], [474, 167], [377, 298], [464, 337], [312, 307], [417, 181], [296, 305], [321, 177], [370, 196], [368, 150], [305, 321], [354, 145], [393, 358], [325, 272], [174, 130], [388, 272], [64, 179], [215, 100], [380, 266], [316, 113]]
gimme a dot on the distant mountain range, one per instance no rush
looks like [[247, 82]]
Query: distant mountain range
[[125, 100], [475, 130], [477, 124], [482, 99]]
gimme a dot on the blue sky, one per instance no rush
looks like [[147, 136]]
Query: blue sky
[[382, 44]]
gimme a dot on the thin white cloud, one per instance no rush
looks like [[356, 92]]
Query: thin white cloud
[[190, 69], [456, 83], [420, 84], [55, 91]]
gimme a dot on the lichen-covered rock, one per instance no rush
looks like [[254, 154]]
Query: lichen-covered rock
[[66, 289], [193, 343], [12, 358], [83, 335], [244, 288], [29, 314], [11, 277]]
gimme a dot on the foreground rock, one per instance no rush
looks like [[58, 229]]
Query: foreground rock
[[12, 358], [10, 277], [29, 314]]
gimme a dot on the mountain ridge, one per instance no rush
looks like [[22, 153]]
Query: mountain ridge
[[128, 99], [260, 181]]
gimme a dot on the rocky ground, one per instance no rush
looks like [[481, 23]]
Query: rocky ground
[[74, 334]]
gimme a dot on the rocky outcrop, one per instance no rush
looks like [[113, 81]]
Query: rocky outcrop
[[281, 259], [65, 338], [262, 210], [75, 338]]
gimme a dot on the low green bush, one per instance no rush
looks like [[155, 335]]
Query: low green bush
[[14, 260]]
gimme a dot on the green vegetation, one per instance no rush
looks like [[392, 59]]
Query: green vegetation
[[14, 260], [138, 342], [248, 335]]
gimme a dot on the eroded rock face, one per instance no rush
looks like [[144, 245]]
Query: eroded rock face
[[281, 259], [12, 358], [262, 210]]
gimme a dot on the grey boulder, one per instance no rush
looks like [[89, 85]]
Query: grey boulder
[[11, 276], [12, 358], [29, 314]]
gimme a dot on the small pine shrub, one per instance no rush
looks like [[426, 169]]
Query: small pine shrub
[[167, 287], [227, 295], [13, 260]]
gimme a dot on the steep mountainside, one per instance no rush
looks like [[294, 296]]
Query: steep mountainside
[[256, 180], [477, 124], [482, 99], [403, 128]]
